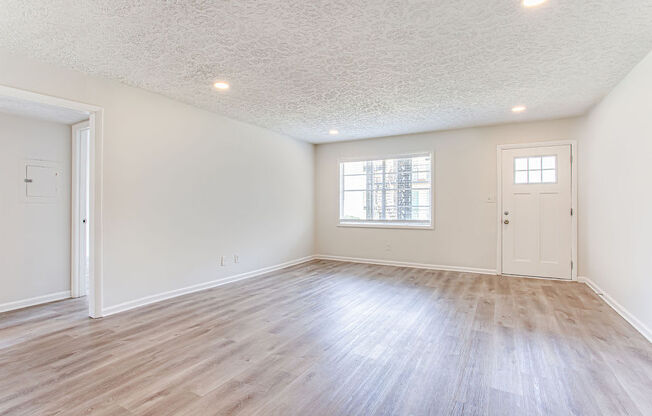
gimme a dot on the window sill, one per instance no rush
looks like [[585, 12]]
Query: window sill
[[381, 225]]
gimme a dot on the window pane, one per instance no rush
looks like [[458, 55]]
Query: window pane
[[390, 165], [421, 213], [377, 212], [534, 176], [421, 163], [390, 198], [534, 163], [520, 163], [353, 167], [538, 169], [404, 213], [421, 177], [389, 190], [357, 182], [391, 180], [549, 162], [377, 203], [520, 177], [391, 213], [354, 205], [420, 197], [550, 176]]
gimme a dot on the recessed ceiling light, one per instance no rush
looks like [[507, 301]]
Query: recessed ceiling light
[[519, 109], [333, 132], [221, 85], [532, 3]]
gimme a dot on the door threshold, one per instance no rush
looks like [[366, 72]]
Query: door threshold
[[559, 279]]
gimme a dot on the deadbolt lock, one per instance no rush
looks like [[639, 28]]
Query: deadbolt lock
[[506, 222]]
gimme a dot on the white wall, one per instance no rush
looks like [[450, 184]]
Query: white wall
[[34, 237], [615, 196], [464, 232], [183, 186]]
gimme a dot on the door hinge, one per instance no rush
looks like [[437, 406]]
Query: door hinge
[[571, 211], [571, 264]]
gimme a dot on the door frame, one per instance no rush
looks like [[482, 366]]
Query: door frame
[[499, 197], [96, 122]]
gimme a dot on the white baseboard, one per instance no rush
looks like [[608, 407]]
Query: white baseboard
[[638, 325], [19, 304], [406, 264], [110, 310]]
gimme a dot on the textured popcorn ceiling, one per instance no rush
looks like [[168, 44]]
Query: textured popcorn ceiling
[[24, 108], [367, 68]]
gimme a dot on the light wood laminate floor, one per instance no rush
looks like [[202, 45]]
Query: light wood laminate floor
[[330, 338]]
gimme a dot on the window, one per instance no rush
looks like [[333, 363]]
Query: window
[[393, 191], [535, 169]]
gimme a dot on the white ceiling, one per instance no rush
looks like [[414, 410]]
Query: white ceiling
[[45, 112], [366, 68]]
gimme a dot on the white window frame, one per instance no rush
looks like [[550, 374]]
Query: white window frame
[[380, 223]]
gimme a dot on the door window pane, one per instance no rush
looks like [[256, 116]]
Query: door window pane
[[549, 176], [520, 177], [534, 163], [549, 162], [535, 169], [520, 163], [534, 176]]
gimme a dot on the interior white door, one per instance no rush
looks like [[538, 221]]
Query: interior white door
[[81, 205], [84, 199], [536, 208]]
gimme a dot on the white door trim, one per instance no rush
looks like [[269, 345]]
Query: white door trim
[[499, 198], [96, 117]]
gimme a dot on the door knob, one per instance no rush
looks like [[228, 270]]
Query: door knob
[[506, 222]]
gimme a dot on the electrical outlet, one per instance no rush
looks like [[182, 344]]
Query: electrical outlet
[[236, 258]]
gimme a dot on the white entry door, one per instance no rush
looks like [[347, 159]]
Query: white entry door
[[536, 211]]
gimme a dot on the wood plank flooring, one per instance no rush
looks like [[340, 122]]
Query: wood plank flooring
[[331, 338]]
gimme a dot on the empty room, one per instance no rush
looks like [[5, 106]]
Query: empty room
[[389, 207]]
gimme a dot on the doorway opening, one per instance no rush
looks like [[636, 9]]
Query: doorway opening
[[85, 123], [537, 210]]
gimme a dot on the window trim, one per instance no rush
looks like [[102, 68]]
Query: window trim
[[416, 225]]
